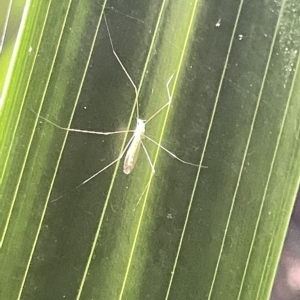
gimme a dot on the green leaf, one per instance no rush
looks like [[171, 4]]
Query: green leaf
[[185, 232]]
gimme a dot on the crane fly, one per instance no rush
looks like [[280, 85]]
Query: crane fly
[[136, 141]]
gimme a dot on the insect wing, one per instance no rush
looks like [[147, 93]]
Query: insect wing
[[132, 155]]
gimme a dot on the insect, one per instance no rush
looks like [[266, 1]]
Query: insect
[[136, 141]]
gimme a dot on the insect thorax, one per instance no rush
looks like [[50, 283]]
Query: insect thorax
[[140, 128]]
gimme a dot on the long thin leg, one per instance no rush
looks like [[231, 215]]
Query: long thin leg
[[124, 69], [84, 131], [165, 105], [103, 169], [138, 202], [113, 162], [148, 157], [172, 154]]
